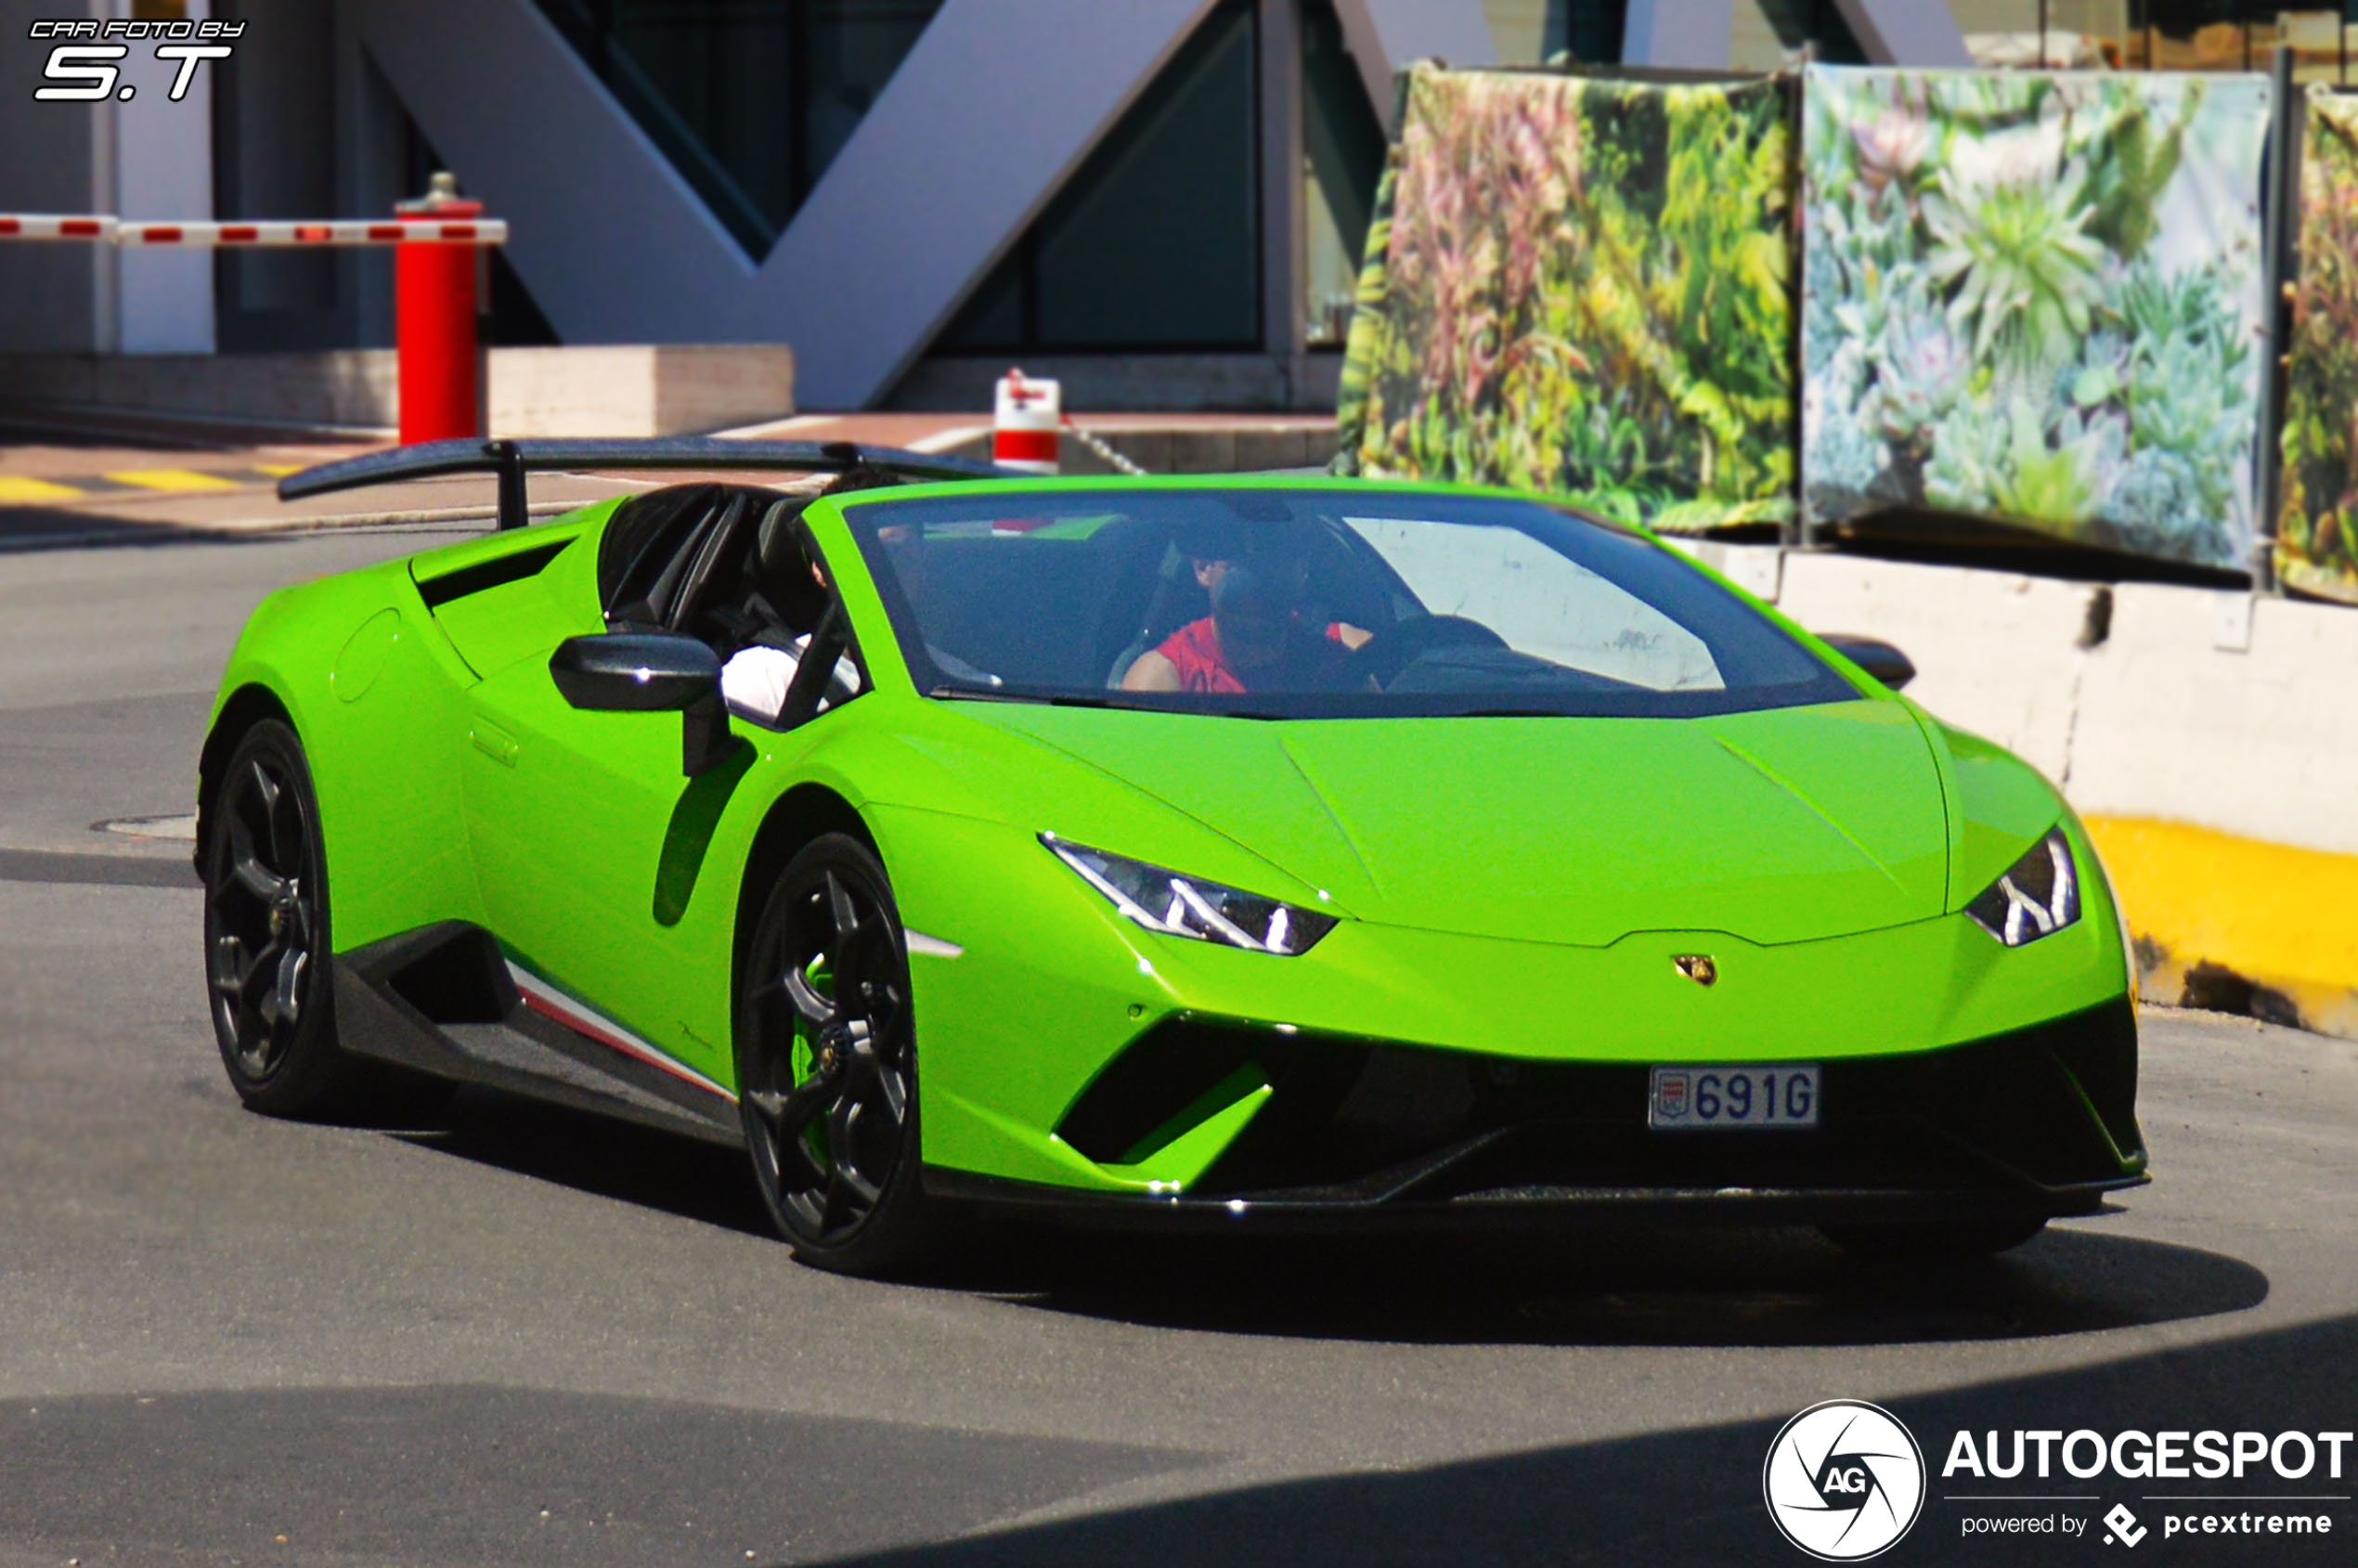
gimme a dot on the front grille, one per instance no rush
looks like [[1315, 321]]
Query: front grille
[[2048, 1107]]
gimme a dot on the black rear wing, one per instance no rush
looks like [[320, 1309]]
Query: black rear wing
[[510, 461]]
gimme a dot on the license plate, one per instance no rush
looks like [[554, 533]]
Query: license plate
[[1689, 1097]]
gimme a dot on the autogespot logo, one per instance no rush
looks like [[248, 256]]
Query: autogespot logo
[[1843, 1480]]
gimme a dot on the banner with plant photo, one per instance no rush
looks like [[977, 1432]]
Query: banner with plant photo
[[1585, 287], [2036, 298], [2314, 551]]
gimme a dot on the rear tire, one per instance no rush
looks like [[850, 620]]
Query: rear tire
[[267, 952], [827, 1066], [1936, 1241]]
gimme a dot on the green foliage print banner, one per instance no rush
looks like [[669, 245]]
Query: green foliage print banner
[[2314, 551], [1582, 287], [2036, 298]]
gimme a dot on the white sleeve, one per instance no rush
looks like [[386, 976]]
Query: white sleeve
[[753, 683], [847, 674]]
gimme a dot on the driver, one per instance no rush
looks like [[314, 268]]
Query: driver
[[1254, 639]]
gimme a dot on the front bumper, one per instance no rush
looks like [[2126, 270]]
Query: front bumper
[[2038, 1120]]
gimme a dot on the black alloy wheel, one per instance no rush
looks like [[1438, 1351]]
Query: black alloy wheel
[[827, 1064], [265, 931]]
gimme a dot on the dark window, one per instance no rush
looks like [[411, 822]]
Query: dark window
[[1154, 243], [1589, 31], [750, 99], [1342, 145], [1814, 21]]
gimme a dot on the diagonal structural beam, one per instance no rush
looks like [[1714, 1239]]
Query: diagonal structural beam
[[1388, 35], [972, 136], [968, 141], [614, 246], [1919, 32]]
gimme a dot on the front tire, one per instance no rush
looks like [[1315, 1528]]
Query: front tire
[[827, 1068]]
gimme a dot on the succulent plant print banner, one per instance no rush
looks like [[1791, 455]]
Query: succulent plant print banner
[[2314, 551], [1585, 287], [2037, 298]]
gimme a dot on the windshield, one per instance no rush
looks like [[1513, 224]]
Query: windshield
[[1310, 604]]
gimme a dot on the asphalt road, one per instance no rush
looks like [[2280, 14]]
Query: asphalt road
[[522, 1336]]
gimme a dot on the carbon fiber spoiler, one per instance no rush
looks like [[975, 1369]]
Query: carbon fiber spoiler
[[510, 461]]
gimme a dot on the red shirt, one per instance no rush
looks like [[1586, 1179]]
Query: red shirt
[[1194, 651]]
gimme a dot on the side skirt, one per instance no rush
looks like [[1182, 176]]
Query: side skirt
[[445, 1000]]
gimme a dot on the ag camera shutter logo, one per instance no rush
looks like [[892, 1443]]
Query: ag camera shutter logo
[[1845, 1480]]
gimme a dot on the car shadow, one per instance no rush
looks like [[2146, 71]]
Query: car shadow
[[1693, 1494], [1705, 1288], [599, 1155], [1698, 1287]]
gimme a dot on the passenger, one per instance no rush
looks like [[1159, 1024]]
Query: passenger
[[1253, 639], [754, 681]]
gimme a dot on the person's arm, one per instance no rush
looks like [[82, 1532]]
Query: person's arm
[[1151, 672], [753, 683]]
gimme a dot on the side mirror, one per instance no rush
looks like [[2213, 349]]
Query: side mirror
[[650, 672], [635, 672], [1878, 658]]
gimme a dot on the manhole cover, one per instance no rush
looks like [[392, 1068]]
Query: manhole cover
[[152, 827]]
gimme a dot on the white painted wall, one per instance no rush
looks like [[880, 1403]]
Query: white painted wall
[[2199, 707], [144, 158], [1995, 653], [161, 154], [1696, 35]]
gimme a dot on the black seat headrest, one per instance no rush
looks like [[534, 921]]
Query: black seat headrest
[[782, 554]]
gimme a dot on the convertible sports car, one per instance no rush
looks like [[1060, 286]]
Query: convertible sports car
[[1238, 851]]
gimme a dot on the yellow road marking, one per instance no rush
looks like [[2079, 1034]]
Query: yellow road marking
[[171, 479], [2283, 916], [18, 491], [277, 469]]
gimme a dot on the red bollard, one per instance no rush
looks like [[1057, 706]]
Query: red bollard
[[433, 288]]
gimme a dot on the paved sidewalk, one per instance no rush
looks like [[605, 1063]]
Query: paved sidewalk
[[27, 489], [72, 478]]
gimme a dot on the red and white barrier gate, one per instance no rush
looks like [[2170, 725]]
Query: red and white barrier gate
[[434, 264], [224, 236], [57, 226]]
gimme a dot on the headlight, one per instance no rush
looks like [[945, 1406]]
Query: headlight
[[2037, 897], [1188, 906]]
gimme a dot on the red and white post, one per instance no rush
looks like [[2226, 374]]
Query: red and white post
[[434, 291], [438, 243], [1026, 425]]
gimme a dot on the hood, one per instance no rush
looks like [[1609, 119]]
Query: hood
[[1777, 826]]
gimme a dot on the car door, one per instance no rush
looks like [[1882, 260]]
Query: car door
[[590, 836]]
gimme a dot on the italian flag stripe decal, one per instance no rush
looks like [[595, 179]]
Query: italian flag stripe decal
[[553, 1003]]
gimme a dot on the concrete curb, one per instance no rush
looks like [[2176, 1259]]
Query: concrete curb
[[2208, 739]]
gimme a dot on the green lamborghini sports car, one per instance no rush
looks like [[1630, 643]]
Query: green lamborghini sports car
[[1238, 852]]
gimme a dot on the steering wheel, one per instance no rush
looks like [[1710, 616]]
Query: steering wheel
[[1396, 647]]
